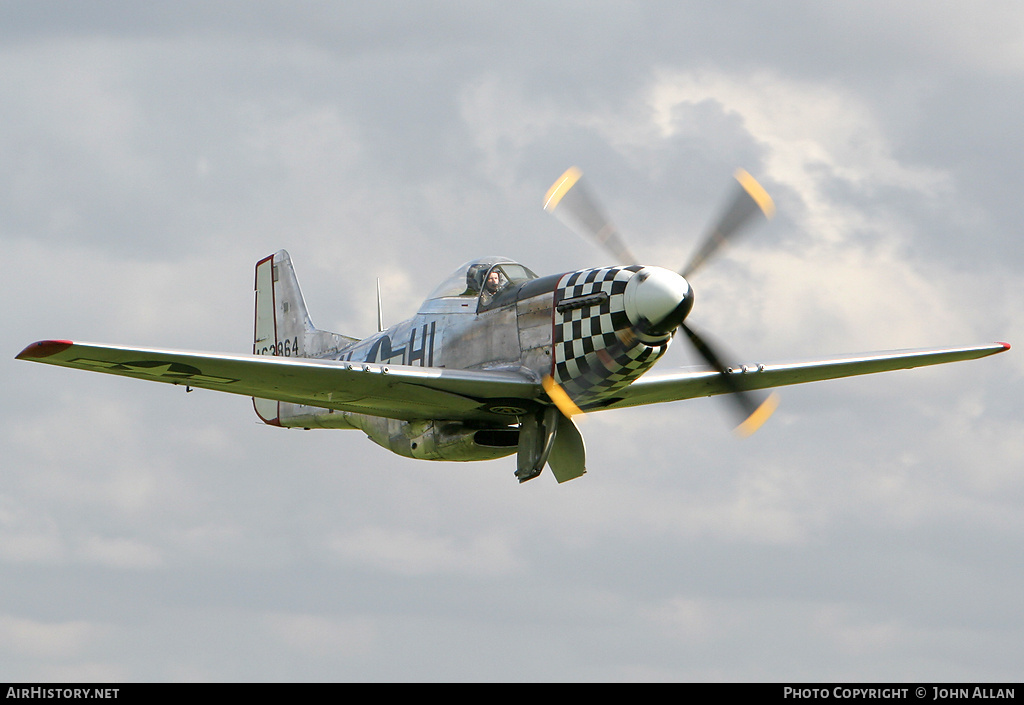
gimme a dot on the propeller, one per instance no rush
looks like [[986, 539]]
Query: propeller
[[667, 296], [747, 201], [569, 200], [754, 408], [559, 397]]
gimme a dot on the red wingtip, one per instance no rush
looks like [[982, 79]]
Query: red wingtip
[[44, 348], [1006, 346]]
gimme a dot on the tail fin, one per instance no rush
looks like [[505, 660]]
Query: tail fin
[[283, 326]]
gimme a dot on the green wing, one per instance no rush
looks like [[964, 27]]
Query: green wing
[[395, 391], [654, 388]]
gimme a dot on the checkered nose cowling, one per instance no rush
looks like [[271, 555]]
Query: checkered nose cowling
[[601, 343]]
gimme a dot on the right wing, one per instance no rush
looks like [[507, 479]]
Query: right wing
[[654, 388], [394, 391]]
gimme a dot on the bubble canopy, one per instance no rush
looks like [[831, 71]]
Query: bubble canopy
[[469, 277]]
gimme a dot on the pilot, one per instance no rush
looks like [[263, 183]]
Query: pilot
[[494, 284]]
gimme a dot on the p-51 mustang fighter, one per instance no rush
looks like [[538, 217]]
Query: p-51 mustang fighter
[[497, 360]]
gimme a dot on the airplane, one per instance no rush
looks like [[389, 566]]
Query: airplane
[[497, 360]]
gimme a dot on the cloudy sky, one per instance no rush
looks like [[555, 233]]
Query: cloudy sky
[[152, 153]]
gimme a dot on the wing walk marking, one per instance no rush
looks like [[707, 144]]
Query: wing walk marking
[[156, 369]]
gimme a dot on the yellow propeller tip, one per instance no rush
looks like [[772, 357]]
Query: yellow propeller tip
[[559, 398], [757, 192], [760, 415], [561, 187]]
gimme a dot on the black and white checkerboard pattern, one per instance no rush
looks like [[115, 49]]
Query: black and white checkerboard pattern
[[596, 350]]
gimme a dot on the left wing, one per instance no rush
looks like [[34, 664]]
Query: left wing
[[653, 388], [394, 391]]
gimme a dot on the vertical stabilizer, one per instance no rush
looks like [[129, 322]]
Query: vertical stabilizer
[[283, 326]]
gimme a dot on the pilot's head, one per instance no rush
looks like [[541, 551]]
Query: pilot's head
[[475, 277], [493, 282]]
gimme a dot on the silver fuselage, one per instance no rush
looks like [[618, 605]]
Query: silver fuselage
[[571, 327]]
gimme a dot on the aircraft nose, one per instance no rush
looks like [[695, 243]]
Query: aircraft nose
[[659, 298]]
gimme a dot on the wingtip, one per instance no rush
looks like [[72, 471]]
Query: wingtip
[[43, 348], [1006, 346]]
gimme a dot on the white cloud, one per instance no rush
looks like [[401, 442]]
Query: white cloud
[[318, 636], [119, 552], [809, 130], [26, 536], [46, 639], [407, 552]]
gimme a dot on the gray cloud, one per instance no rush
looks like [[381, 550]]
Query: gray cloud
[[153, 154]]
